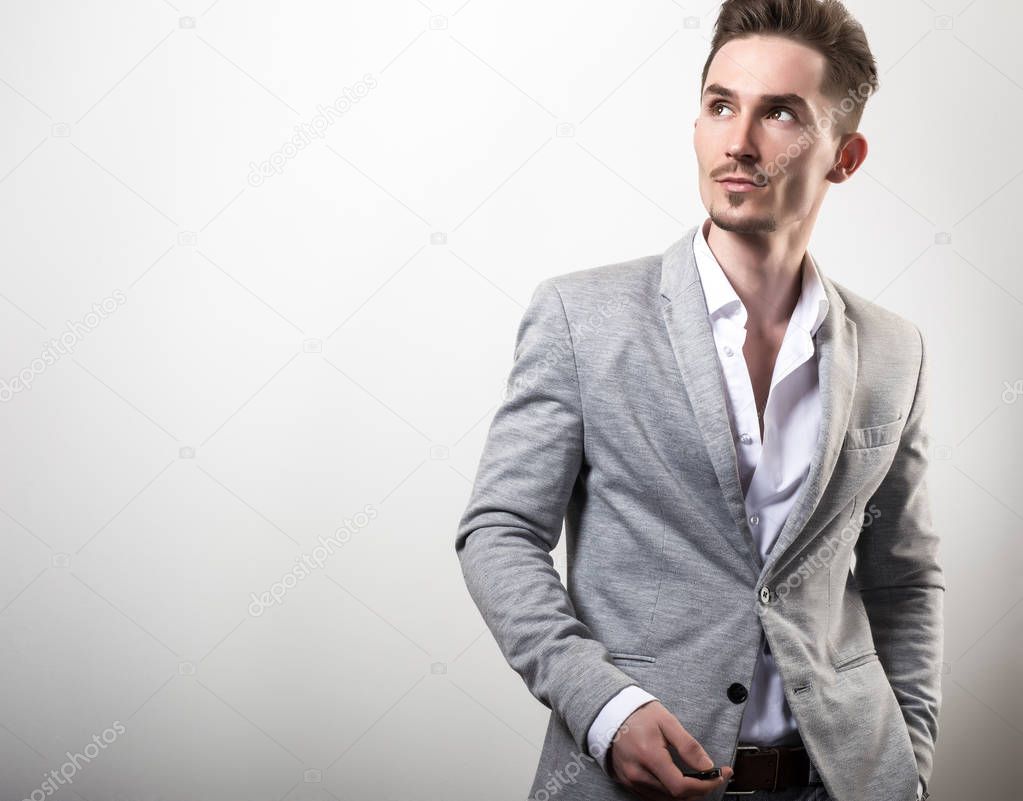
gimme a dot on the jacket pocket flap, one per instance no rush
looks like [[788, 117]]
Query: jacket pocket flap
[[873, 436]]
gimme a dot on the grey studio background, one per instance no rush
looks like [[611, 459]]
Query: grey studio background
[[273, 355]]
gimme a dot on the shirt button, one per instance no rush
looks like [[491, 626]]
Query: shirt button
[[754, 519], [765, 595], [745, 439], [729, 351]]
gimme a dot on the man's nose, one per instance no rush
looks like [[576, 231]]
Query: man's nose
[[741, 146]]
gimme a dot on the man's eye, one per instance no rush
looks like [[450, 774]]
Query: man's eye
[[714, 105]]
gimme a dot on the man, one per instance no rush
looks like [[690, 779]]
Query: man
[[737, 445]]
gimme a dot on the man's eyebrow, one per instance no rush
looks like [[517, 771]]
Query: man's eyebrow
[[788, 99]]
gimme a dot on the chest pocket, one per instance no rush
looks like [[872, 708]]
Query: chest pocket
[[875, 436]]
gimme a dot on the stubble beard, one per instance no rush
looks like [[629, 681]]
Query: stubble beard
[[743, 225]]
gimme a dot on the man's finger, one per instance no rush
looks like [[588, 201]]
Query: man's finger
[[647, 786], [672, 780], [685, 744]]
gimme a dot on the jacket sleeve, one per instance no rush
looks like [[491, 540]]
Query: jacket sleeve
[[530, 463], [902, 583]]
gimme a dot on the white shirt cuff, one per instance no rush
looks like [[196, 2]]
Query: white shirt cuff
[[610, 719]]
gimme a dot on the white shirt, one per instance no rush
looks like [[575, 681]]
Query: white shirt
[[771, 471]]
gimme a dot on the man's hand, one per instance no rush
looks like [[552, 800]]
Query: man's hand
[[639, 757]]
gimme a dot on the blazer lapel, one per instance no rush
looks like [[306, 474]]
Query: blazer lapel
[[838, 356], [687, 320], [684, 309]]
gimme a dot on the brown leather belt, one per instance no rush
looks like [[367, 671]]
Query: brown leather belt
[[769, 768]]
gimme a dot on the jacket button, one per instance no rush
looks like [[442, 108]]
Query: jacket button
[[737, 693], [765, 594]]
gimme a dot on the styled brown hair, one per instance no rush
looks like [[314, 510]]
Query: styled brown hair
[[825, 25]]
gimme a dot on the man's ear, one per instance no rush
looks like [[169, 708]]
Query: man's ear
[[851, 154]]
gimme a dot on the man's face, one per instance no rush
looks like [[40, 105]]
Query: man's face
[[741, 133]]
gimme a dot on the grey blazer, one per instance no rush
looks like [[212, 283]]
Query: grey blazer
[[614, 421]]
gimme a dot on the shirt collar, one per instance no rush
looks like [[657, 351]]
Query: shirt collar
[[721, 297]]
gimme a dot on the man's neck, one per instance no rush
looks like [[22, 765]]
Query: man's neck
[[765, 271]]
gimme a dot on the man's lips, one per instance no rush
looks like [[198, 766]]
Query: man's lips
[[739, 183]]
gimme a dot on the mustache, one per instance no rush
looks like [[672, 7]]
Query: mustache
[[758, 176]]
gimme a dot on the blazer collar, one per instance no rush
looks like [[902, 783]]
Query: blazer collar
[[688, 324]]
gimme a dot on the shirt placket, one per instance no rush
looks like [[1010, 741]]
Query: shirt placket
[[747, 429], [796, 348]]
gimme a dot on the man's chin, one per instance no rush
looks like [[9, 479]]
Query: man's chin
[[745, 223]]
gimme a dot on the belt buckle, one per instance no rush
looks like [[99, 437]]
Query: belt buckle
[[777, 761]]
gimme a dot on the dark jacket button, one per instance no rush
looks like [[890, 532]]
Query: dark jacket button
[[737, 693]]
